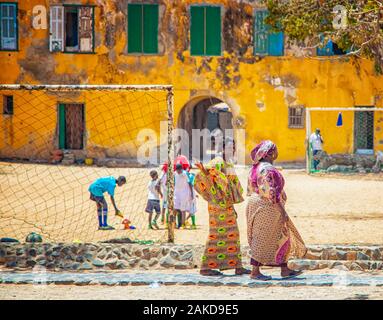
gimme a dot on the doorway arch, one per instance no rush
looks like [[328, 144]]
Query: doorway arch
[[207, 112]]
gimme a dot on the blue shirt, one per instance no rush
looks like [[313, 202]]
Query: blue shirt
[[102, 185]]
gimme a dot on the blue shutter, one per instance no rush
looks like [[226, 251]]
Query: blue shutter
[[265, 41], [325, 50], [260, 33], [8, 26], [276, 44]]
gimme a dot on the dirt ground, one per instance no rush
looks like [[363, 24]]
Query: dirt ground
[[54, 200], [182, 292], [60, 292]]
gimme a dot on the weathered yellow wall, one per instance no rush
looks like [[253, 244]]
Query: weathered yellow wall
[[258, 90]]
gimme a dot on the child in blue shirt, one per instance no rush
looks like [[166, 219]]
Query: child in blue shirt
[[97, 190]]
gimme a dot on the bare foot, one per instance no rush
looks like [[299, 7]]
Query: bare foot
[[241, 271], [210, 272]]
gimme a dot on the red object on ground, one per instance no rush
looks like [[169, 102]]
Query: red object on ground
[[126, 223]]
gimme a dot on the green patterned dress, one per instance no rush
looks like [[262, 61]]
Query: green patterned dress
[[218, 184]]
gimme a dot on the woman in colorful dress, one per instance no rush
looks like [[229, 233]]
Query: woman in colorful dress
[[218, 184], [272, 236]]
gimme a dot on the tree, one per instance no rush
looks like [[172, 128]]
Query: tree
[[356, 26]]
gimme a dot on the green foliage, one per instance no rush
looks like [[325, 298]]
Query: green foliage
[[305, 20]]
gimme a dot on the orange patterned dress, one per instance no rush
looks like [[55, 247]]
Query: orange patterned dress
[[218, 184]]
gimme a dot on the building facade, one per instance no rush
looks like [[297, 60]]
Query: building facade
[[211, 51]]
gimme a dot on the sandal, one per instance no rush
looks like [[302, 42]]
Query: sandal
[[292, 274], [210, 273], [261, 277], [242, 271]]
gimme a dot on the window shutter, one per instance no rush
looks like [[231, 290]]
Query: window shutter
[[197, 31], [150, 25], [276, 44], [135, 21], [62, 127], [8, 27], [260, 33], [213, 31], [85, 29], [56, 37], [327, 49]]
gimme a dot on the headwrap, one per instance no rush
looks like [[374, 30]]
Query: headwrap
[[261, 151], [264, 149]]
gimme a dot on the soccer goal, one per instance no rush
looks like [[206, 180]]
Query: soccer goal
[[352, 139], [56, 140]]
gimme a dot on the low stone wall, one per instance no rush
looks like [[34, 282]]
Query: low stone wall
[[356, 163], [96, 256], [105, 256]]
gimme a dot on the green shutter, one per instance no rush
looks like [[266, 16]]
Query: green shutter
[[260, 33], [213, 31], [62, 127], [135, 28], [150, 28], [197, 31]]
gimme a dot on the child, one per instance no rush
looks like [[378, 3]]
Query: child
[[154, 194], [182, 194], [193, 203], [162, 184], [97, 190]]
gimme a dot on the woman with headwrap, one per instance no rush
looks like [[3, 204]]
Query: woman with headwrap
[[272, 236], [218, 184]]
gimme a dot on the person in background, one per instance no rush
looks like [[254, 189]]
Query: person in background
[[162, 184], [316, 144], [182, 194], [153, 204], [193, 203], [97, 190]]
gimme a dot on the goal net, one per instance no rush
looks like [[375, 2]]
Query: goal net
[[352, 140], [56, 140]]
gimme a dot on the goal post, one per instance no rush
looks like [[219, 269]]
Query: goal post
[[345, 131], [55, 140]]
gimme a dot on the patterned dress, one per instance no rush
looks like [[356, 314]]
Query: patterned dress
[[218, 184], [271, 241]]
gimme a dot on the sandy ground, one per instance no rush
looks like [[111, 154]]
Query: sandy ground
[[54, 292], [179, 292], [54, 200]]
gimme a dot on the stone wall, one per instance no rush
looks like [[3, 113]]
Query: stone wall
[[346, 162], [95, 256]]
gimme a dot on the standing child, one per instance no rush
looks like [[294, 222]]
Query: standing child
[[153, 204], [182, 194], [164, 189], [97, 190], [193, 203]]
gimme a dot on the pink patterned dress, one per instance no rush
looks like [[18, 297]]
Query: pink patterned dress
[[272, 242]]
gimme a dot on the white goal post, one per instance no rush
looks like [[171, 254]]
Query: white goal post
[[308, 115]]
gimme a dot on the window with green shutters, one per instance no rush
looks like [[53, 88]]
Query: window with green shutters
[[143, 28], [205, 31], [266, 42]]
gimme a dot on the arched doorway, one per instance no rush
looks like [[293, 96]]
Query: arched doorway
[[207, 113]]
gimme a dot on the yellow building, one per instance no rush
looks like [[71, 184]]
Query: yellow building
[[211, 51]]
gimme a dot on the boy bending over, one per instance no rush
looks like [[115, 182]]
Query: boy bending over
[[97, 190]]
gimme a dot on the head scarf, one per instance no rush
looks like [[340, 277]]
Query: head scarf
[[261, 151], [264, 149]]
